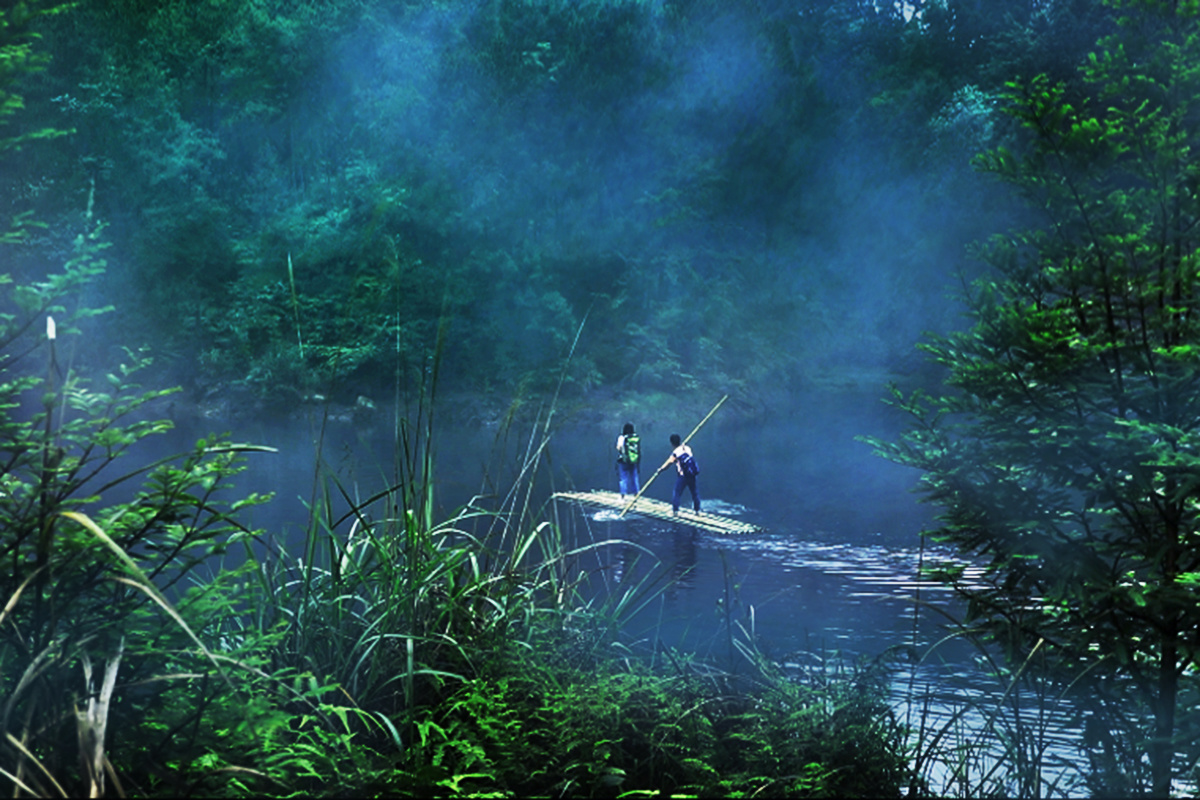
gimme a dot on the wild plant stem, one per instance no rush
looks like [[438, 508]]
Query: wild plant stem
[[295, 305]]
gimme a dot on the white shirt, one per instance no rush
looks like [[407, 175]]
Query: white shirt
[[677, 452]]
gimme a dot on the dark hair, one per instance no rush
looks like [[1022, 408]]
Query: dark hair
[[675, 439], [628, 428]]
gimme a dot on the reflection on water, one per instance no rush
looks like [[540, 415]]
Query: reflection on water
[[834, 577], [805, 592], [809, 600]]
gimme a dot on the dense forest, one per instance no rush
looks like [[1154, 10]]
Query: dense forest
[[250, 205], [738, 195]]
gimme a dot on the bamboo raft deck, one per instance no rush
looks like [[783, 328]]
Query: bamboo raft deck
[[659, 510]]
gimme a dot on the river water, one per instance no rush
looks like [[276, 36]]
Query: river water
[[831, 578], [831, 570]]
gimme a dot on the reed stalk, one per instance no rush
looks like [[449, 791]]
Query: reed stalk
[[986, 742]]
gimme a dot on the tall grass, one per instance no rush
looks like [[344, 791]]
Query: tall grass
[[399, 610], [391, 652], [993, 729], [486, 652], [395, 606], [92, 650], [156, 646]]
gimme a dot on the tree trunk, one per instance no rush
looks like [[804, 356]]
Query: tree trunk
[[1162, 747]]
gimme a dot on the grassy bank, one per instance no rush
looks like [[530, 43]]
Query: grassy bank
[[158, 647]]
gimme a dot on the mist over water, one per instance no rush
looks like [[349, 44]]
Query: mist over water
[[833, 513], [830, 580]]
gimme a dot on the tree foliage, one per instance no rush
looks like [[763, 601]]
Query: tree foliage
[[1065, 456], [707, 179]]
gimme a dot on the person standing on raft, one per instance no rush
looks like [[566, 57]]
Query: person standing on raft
[[629, 460], [687, 469]]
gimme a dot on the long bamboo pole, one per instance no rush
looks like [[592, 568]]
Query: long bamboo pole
[[668, 461]]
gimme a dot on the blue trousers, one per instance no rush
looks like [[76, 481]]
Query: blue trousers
[[628, 479], [690, 482]]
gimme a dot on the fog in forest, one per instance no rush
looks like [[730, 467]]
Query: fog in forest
[[870, 248], [723, 195], [431, 256], [729, 181]]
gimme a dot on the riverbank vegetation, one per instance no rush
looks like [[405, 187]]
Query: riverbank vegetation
[[157, 647], [1063, 453]]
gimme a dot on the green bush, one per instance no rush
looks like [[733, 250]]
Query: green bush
[[622, 726]]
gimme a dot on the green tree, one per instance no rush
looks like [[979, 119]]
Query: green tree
[[515, 164], [19, 59], [1065, 457], [83, 604]]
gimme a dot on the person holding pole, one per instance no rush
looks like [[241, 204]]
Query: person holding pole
[[686, 471], [675, 441]]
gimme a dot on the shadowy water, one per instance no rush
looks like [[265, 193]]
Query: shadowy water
[[839, 522], [831, 576]]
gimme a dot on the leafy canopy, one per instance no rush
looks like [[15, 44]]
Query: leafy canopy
[[1065, 452]]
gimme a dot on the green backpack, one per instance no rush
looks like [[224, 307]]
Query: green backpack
[[631, 450]]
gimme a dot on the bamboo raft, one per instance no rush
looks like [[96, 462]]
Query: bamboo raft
[[659, 510]]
